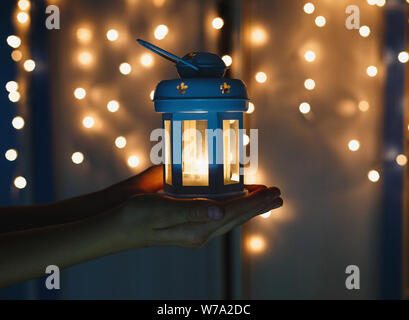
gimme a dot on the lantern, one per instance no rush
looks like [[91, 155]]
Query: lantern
[[202, 115]]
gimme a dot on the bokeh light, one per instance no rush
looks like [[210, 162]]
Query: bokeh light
[[255, 244], [372, 71], [227, 60], [363, 106], [261, 77], [161, 31], [84, 35], [22, 17], [120, 142], [11, 86], [310, 56], [125, 68], [18, 123], [217, 23], [14, 41], [113, 106], [309, 84], [77, 157], [29, 65], [80, 93], [251, 108], [11, 154], [147, 60], [403, 57], [304, 108], [20, 182], [374, 176], [88, 122], [401, 160], [353, 145], [112, 35], [364, 31], [133, 161], [320, 21], [309, 8]]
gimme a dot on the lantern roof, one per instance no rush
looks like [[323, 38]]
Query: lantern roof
[[201, 86]]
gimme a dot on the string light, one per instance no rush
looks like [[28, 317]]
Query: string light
[[24, 5], [255, 243], [309, 8], [20, 182], [22, 17], [372, 71], [363, 106], [147, 60], [403, 57], [112, 35], [85, 58], [16, 55], [125, 68], [381, 3], [113, 106], [29, 65], [80, 93], [120, 142], [258, 36], [373, 176], [11, 155], [161, 31], [84, 35], [309, 84], [304, 108], [320, 21], [152, 95], [310, 56], [11, 86], [217, 23], [364, 31], [261, 77], [401, 160], [251, 108], [18, 123], [227, 60], [14, 41], [77, 157], [372, 2], [14, 96], [246, 139], [353, 145], [88, 122], [133, 161]]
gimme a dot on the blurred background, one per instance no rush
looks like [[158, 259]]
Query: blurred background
[[76, 116]]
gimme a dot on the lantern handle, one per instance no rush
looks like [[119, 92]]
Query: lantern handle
[[164, 54]]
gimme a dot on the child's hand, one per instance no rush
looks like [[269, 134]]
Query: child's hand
[[158, 220]]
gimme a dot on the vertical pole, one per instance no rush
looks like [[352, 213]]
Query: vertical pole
[[392, 222]]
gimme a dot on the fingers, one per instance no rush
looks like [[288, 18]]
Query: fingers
[[255, 187], [150, 180], [180, 211]]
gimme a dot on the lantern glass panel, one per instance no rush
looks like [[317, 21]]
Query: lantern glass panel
[[195, 156], [168, 153], [231, 165]]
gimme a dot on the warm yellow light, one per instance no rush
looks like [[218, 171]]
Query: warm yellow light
[[120, 142], [309, 8], [125, 68], [227, 60], [304, 108], [246, 139], [363, 106], [403, 57], [364, 31], [113, 106], [77, 157], [88, 122], [309, 84], [372, 2], [85, 58], [14, 96], [217, 23], [147, 60], [258, 36], [266, 215], [112, 35], [24, 5], [251, 108], [255, 244], [353, 145], [20, 182], [152, 95], [29, 65], [18, 123], [161, 31], [373, 175], [11, 155], [320, 21], [14, 41], [16, 55], [261, 77], [401, 160], [11, 86], [133, 161], [310, 56], [22, 17], [372, 71], [80, 93], [84, 35], [381, 3], [158, 3]]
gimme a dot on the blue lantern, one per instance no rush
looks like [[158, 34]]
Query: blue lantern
[[202, 116]]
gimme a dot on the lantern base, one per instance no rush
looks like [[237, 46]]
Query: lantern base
[[222, 196]]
